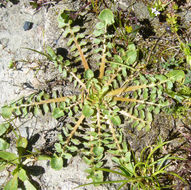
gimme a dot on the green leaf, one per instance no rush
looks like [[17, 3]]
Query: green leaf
[[28, 185], [22, 142], [3, 144], [156, 110], [58, 147], [73, 48], [57, 112], [18, 111], [116, 120], [3, 128], [130, 168], [147, 127], [111, 146], [131, 47], [56, 163], [99, 164], [12, 184], [100, 25], [128, 157], [8, 156], [176, 75], [135, 124], [116, 160], [3, 165], [161, 78], [76, 108], [83, 43], [72, 148], [87, 111], [87, 161], [6, 112], [140, 126], [59, 59], [64, 73], [37, 111], [115, 152], [98, 151], [149, 116], [124, 72], [119, 78], [142, 114], [75, 141], [169, 85], [76, 29], [66, 32], [51, 52], [143, 79], [24, 110], [63, 20], [22, 175], [118, 59], [44, 157], [106, 16], [67, 156], [136, 113], [45, 108], [98, 176], [131, 57], [188, 59], [89, 74], [97, 33], [70, 41]]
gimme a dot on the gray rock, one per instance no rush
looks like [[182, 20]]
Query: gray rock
[[27, 25]]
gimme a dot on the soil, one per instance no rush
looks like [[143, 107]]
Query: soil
[[26, 78]]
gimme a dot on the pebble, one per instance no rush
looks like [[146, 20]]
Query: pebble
[[27, 25]]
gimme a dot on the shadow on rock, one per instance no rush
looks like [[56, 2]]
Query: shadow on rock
[[32, 141], [146, 29], [14, 1], [62, 51], [34, 170]]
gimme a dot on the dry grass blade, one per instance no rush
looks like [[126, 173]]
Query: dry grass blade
[[84, 62], [53, 100], [102, 67], [75, 128], [131, 88], [79, 81], [116, 91], [131, 116], [134, 100]]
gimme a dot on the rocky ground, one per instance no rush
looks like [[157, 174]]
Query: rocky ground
[[27, 77]]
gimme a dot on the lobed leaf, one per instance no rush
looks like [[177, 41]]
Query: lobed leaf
[[3, 128], [3, 144], [56, 162], [107, 17], [12, 184]]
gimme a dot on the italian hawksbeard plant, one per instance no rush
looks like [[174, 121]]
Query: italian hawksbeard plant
[[115, 94]]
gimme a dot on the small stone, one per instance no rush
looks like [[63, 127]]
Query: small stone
[[27, 25]]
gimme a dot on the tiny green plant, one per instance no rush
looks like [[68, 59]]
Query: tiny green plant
[[172, 17], [118, 93], [148, 171], [15, 164]]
